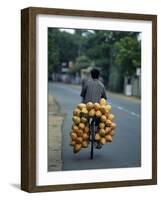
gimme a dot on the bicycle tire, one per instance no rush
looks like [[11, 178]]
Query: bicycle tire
[[92, 139]]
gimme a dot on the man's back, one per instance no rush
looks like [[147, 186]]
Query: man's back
[[93, 90]]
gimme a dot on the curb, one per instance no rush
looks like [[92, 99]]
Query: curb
[[55, 121]]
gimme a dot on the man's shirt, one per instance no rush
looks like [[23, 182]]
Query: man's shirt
[[93, 90]]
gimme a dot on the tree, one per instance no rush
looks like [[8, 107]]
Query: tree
[[67, 47], [115, 53], [53, 51], [82, 62], [61, 48], [128, 54], [98, 50]]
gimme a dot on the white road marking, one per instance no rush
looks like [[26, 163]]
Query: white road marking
[[125, 110], [135, 114], [119, 107]]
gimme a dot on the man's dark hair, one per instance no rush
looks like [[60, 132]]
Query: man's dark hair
[[95, 73]]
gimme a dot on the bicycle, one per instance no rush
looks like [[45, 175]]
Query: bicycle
[[93, 125]]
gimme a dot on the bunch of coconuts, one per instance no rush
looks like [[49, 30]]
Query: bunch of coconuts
[[80, 128]]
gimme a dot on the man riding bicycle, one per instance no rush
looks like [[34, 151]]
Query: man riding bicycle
[[92, 91]]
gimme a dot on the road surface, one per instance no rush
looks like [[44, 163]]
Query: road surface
[[124, 151]]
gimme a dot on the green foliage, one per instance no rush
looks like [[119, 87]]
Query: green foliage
[[115, 53], [62, 47], [53, 53], [128, 54], [116, 79], [67, 47], [82, 62]]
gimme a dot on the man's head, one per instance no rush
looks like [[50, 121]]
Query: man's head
[[95, 73]]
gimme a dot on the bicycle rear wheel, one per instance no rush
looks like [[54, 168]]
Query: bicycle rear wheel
[[92, 139]]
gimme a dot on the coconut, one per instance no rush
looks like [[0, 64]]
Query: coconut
[[72, 143], [73, 136], [106, 114], [91, 113], [103, 141], [103, 109], [77, 148], [84, 144], [107, 130], [108, 122], [83, 120], [89, 105], [101, 125], [96, 106], [103, 118], [86, 129], [97, 137], [84, 111], [108, 107], [85, 136], [81, 106], [76, 112], [98, 113], [102, 132], [108, 138], [80, 133], [103, 102], [111, 117], [112, 133], [75, 128], [76, 119], [79, 140], [81, 125], [113, 125]]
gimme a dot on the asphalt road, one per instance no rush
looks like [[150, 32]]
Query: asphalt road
[[124, 151]]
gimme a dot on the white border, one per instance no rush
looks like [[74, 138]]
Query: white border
[[43, 177]]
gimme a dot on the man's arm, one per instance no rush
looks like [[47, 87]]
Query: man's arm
[[104, 93], [83, 92]]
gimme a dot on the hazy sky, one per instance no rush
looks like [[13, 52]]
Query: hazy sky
[[67, 30]]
